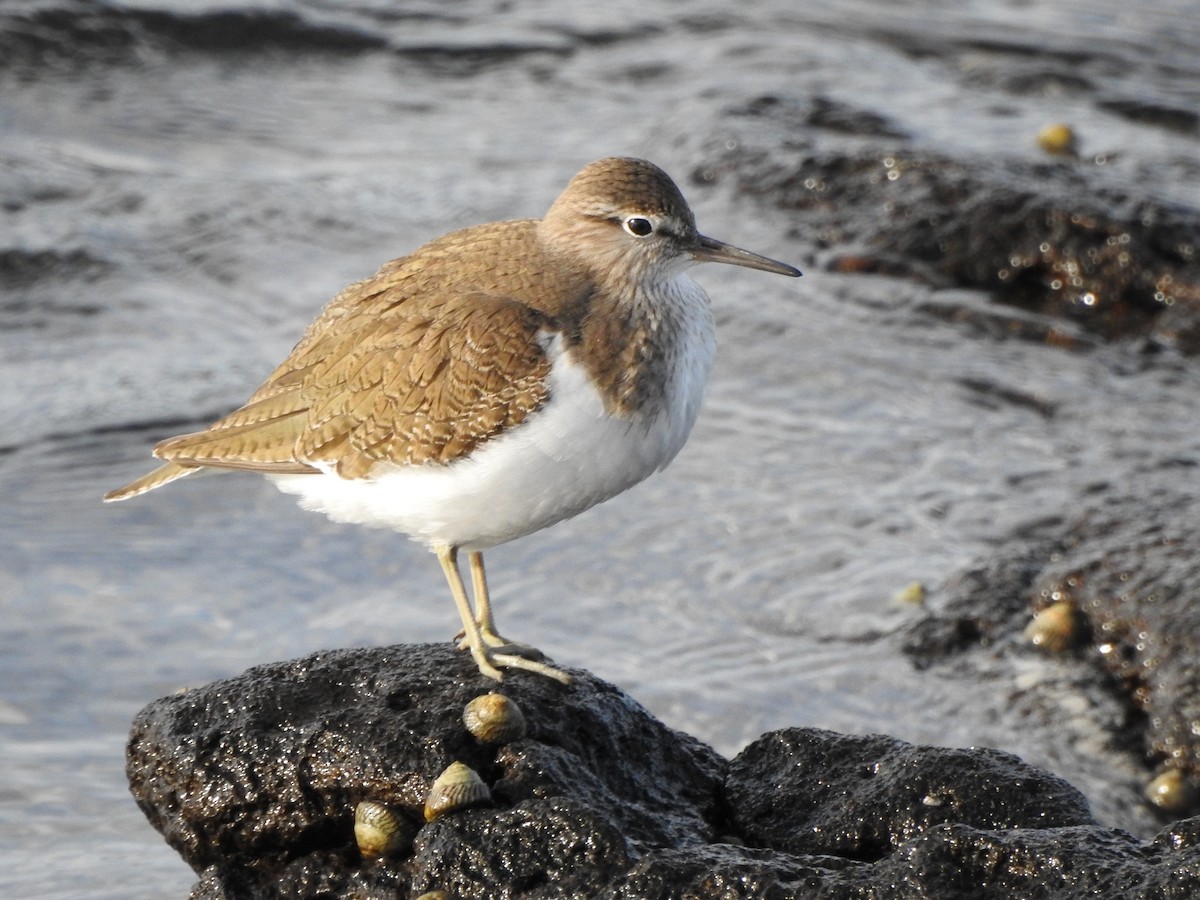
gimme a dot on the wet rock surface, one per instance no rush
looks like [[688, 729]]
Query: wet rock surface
[[254, 781], [1121, 575], [286, 751], [1049, 238], [187, 183]]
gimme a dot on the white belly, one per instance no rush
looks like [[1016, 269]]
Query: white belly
[[568, 456]]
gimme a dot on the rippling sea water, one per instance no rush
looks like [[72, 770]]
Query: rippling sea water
[[183, 186]]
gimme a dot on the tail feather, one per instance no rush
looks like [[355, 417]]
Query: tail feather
[[151, 480]]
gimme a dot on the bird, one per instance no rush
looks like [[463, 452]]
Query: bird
[[493, 382]]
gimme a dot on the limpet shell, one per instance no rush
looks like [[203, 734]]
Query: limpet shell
[[381, 830], [458, 787], [1055, 628], [494, 719], [1172, 792], [1057, 139], [912, 594]]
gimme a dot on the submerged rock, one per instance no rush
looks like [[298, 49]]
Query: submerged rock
[[255, 782]]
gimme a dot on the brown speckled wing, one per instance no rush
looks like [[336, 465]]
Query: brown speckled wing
[[384, 375]]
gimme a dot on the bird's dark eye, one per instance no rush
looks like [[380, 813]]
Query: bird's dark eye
[[639, 226]]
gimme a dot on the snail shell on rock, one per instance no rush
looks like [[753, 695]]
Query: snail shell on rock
[[1172, 792], [1058, 139], [494, 719], [459, 787], [380, 830], [1055, 628]]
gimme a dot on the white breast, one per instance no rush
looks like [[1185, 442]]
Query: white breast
[[568, 456]]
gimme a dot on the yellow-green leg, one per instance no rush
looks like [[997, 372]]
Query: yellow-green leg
[[490, 651], [483, 614]]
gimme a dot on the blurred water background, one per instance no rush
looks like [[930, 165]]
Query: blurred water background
[[184, 184]]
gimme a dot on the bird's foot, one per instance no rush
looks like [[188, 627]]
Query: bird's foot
[[499, 644], [492, 659]]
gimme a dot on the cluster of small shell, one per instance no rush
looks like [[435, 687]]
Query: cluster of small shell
[[381, 830], [1059, 627]]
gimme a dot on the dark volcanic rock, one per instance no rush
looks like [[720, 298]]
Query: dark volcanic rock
[[889, 791], [254, 781], [273, 762], [1050, 238], [1128, 568]]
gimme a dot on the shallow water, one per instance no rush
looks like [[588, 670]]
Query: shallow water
[[174, 213]]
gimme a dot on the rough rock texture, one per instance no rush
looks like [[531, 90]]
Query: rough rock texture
[[889, 792], [269, 765], [1050, 238], [254, 781], [1129, 568]]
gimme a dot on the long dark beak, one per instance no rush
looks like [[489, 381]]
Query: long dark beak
[[711, 250]]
